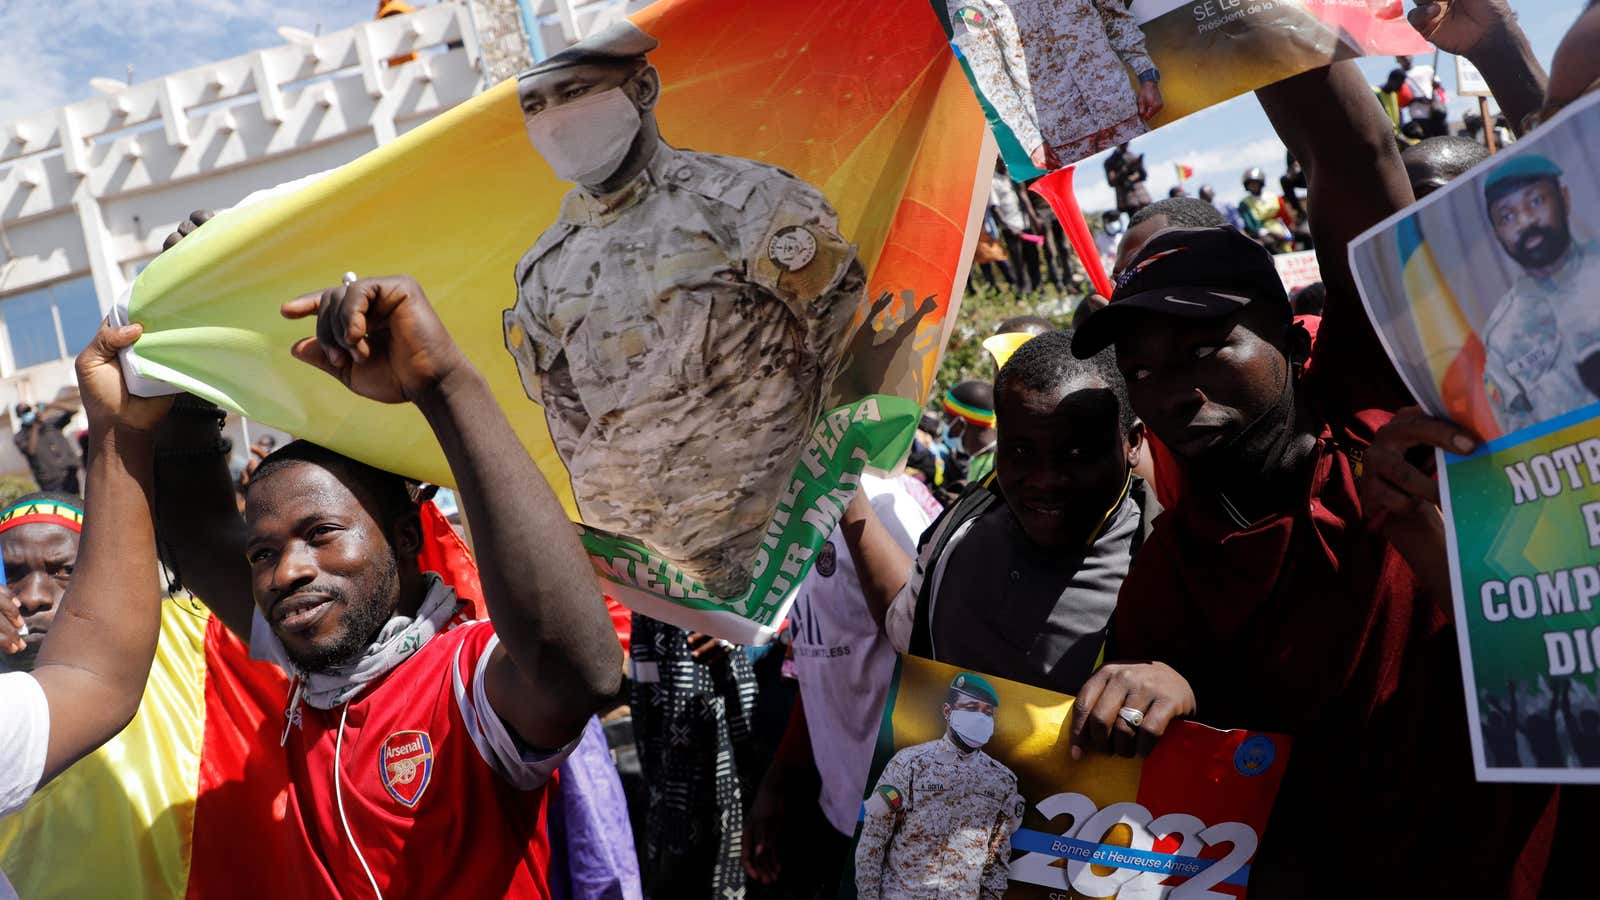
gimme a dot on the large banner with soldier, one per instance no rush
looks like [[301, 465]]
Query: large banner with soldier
[[707, 279]]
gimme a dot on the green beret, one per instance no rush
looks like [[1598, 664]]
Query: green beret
[[1517, 171], [975, 686], [615, 43]]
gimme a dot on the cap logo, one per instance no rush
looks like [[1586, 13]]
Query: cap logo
[[1171, 299], [1128, 273]]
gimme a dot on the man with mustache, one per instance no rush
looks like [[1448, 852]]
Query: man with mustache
[[1543, 343]]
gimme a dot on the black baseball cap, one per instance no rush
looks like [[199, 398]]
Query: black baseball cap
[[1191, 273]]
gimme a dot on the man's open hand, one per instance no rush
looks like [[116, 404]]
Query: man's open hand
[[379, 336]]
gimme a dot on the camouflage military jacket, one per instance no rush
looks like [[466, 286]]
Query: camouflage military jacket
[[1536, 336], [938, 825], [681, 334], [1056, 71]]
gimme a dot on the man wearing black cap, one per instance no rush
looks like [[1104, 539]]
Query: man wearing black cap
[[1543, 337], [1267, 586], [685, 314]]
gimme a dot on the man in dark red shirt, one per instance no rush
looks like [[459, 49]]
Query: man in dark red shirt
[[1264, 586]]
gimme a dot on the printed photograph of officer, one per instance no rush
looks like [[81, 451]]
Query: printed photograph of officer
[[940, 818], [1060, 74], [680, 321], [1487, 291], [1543, 336]]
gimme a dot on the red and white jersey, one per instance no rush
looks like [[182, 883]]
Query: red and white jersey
[[431, 786]]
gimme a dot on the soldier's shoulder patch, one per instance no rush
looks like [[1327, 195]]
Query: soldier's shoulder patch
[[891, 796], [972, 16], [799, 254], [885, 800], [792, 248]]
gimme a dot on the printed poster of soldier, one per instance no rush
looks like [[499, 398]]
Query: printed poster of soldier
[[1487, 296], [1061, 80], [707, 272], [973, 793]]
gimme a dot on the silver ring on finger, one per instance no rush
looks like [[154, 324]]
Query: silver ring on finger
[[349, 279], [1133, 717]]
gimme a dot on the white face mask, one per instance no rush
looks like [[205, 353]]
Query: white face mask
[[586, 140], [972, 727]]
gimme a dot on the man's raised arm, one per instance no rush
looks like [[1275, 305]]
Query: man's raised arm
[[558, 660], [1487, 34], [93, 669], [1354, 180]]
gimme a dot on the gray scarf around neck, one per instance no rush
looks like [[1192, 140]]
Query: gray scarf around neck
[[401, 637]]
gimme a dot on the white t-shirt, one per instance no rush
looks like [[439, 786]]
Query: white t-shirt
[[843, 659], [24, 737]]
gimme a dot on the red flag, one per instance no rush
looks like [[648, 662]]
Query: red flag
[[1056, 189], [444, 551], [1185, 172]]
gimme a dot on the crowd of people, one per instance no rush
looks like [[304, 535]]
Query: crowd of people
[[1199, 499]]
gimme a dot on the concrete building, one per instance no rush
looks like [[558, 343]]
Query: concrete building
[[90, 190]]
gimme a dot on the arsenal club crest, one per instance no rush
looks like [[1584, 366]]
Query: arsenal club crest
[[405, 763]]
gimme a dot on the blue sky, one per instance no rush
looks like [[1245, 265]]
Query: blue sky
[[53, 47]]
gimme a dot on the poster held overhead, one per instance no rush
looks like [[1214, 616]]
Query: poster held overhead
[[1062, 80], [708, 279]]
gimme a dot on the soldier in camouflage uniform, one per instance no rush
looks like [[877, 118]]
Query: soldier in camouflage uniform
[[1056, 72], [939, 821], [680, 322], [1543, 337]]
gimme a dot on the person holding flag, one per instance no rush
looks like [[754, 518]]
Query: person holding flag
[[407, 724]]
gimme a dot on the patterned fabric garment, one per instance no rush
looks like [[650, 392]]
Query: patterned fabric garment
[[1056, 71], [681, 334], [1536, 336], [938, 824], [692, 724]]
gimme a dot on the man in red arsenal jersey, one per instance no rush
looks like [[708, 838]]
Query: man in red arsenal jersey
[[1270, 586], [418, 743]]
